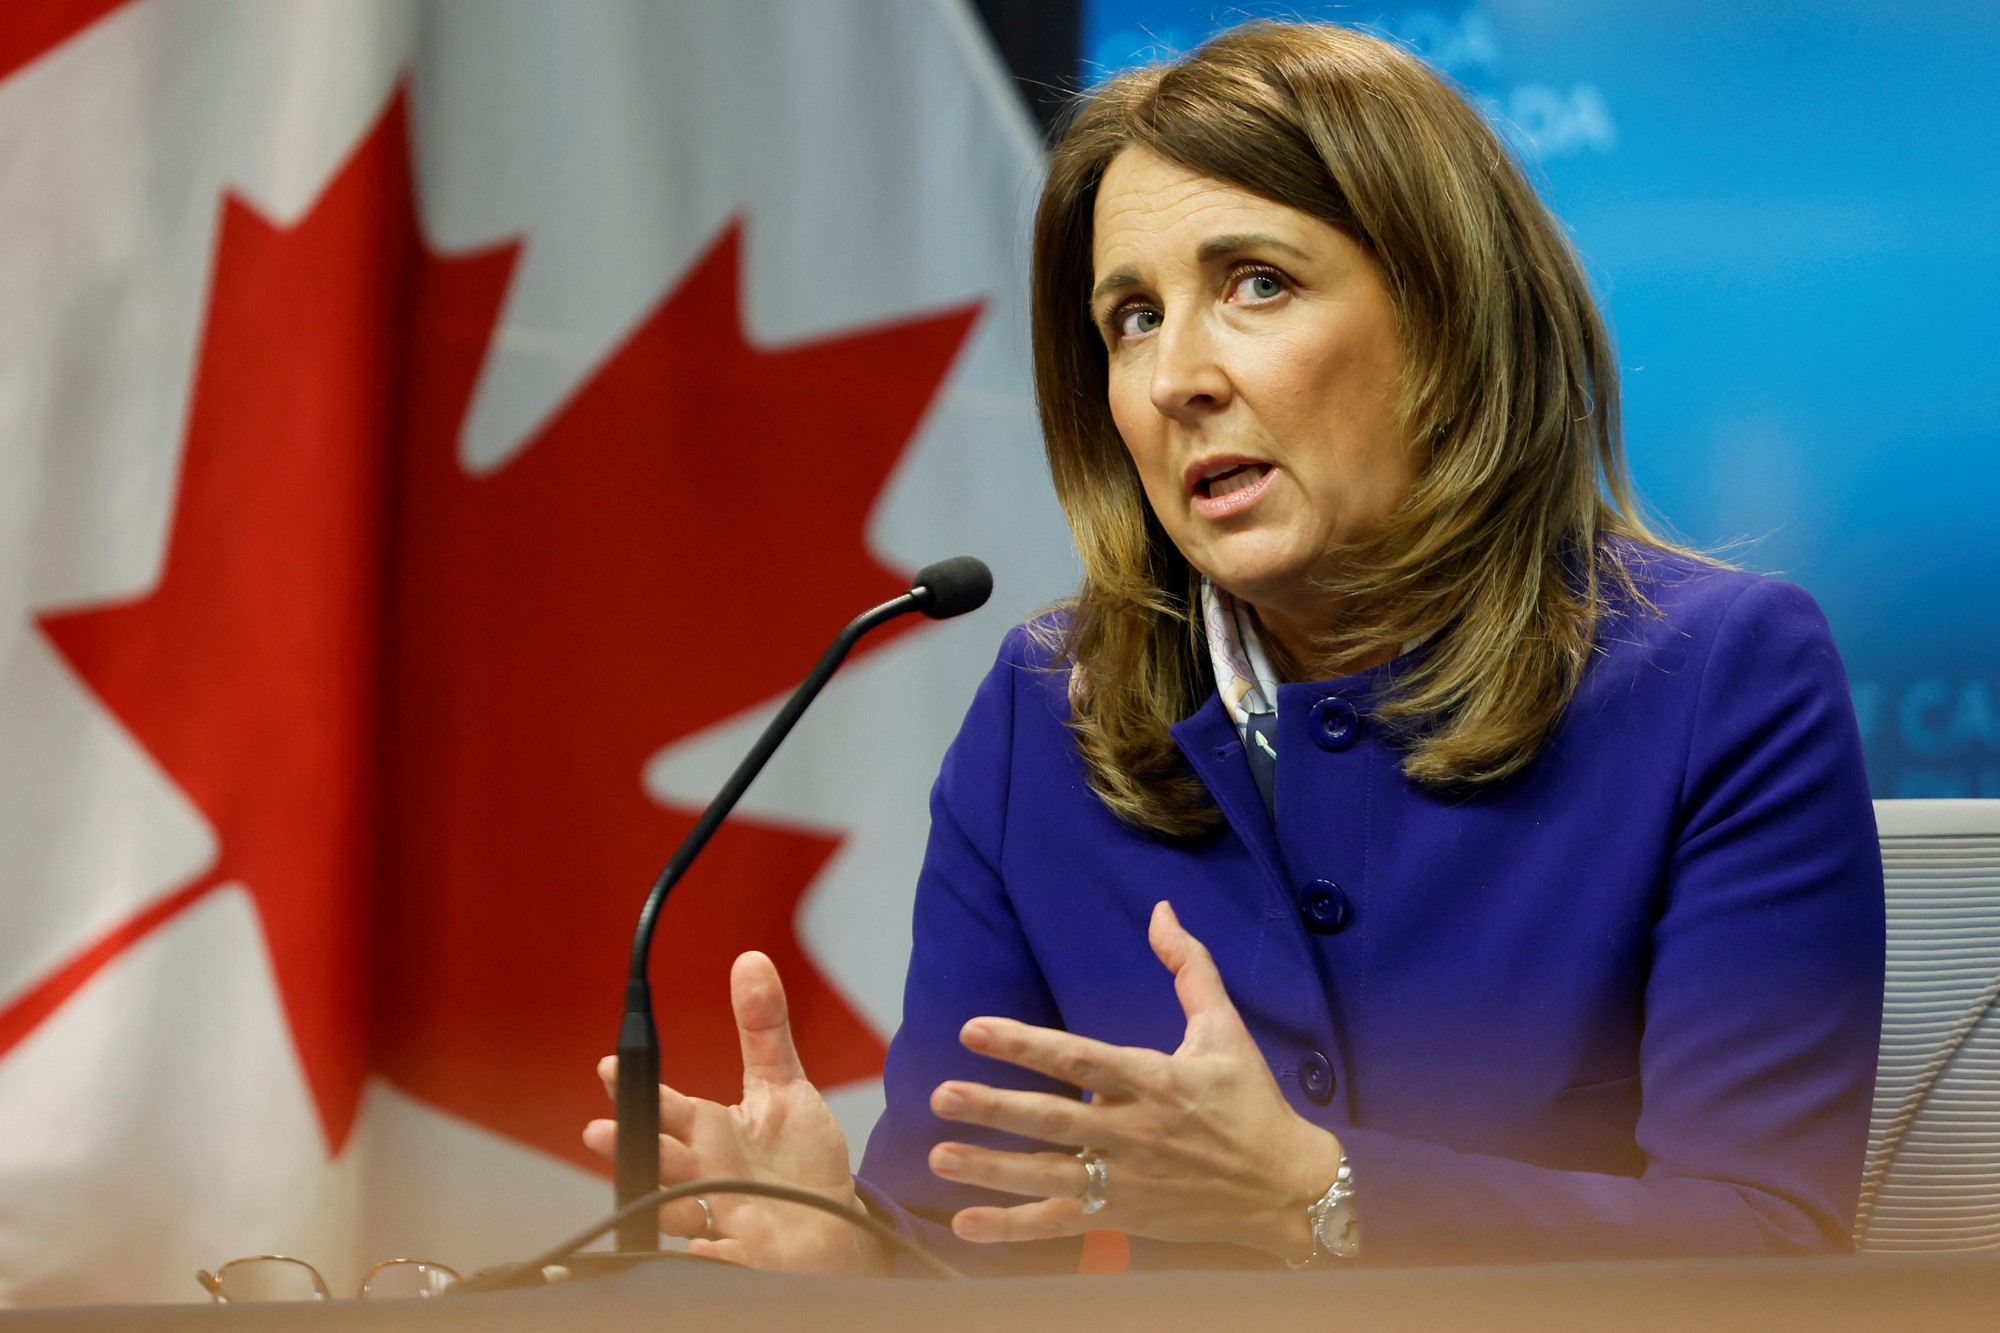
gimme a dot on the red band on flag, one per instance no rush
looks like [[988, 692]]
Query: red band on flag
[[35, 27], [46, 996]]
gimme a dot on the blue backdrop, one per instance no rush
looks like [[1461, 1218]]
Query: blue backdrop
[[1792, 213]]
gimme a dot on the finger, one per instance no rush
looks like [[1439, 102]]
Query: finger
[[677, 1161], [601, 1137], [679, 1165], [729, 1251], [1081, 1062], [1204, 999], [762, 1022], [1035, 1115], [1028, 1221], [677, 1112], [1042, 1175], [684, 1218], [676, 1108]]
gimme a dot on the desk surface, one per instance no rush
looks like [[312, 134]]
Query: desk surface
[[1875, 1291]]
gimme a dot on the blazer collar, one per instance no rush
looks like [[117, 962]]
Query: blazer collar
[[1215, 751]]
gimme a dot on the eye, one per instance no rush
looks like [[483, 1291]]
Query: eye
[[1133, 321], [1257, 285]]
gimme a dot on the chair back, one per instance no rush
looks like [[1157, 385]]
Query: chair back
[[1932, 1180]]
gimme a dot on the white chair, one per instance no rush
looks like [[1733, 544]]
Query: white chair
[[1932, 1180]]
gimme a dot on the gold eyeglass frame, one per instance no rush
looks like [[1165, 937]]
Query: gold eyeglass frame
[[212, 1282]]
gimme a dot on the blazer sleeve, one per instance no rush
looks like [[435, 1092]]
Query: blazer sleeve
[[1762, 1007], [968, 957]]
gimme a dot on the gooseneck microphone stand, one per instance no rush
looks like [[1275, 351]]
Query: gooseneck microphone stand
[[945, 589]]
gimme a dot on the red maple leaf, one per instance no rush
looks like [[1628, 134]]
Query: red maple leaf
[[415, 704]]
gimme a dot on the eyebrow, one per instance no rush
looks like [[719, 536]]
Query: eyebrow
[[1219, 246], [1111, 282], [1210, 250]]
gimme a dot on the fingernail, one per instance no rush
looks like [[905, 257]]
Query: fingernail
[[945, 1159], [975, 1031], [948, 1101], [965, 1228]]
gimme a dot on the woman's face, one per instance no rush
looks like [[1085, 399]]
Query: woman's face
[[1254, 368]]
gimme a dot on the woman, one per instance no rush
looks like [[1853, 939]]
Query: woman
[[1535, 856]]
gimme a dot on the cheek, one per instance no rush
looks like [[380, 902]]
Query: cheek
[[1349, 392], [1126, 397], [1140, 427]]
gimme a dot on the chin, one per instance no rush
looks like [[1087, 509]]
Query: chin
[[1261, 586], [1279, 580]]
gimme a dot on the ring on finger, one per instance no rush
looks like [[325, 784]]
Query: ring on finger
[[1096, 1180], [707, 1231]]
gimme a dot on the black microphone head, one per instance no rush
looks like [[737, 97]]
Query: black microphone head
[[952, 587]]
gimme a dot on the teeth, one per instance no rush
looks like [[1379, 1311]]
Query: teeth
[[1248, 476]]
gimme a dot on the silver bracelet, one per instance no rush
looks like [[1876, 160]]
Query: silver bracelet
[[1335, 1232]]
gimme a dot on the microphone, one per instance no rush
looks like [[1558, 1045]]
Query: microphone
[[942, 590], [952, 587]]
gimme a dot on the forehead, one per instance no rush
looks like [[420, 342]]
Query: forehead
[[1152, 209]]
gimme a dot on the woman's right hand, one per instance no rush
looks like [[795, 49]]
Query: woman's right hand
[[781, 1133]]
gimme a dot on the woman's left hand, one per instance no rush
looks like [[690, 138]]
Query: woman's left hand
[[1199, 1145]]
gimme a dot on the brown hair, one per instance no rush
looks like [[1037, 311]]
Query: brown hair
[[1497, 557]]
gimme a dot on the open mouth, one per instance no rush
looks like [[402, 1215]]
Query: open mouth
[[1233, 477]]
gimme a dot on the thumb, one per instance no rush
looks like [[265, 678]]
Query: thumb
[[1212, 1020], [763, 1022]]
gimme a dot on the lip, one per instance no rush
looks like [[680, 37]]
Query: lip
[[1236, 501]]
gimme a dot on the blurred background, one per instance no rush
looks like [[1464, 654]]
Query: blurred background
[[436, 433]]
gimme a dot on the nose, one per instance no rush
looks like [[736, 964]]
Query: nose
[[1188, 376]]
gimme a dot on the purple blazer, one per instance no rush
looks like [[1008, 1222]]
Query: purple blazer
[[1626, 1004]]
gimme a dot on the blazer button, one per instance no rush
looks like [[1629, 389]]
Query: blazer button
[[1316, 1078], [1335, 723], [1325, 908]]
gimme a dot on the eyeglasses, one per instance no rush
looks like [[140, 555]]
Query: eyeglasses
[[274, 1277]]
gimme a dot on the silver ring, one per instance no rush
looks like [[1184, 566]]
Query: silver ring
[[1096, 1180], [707, 1231]]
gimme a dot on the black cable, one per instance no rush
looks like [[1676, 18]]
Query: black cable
[[496, 1278]]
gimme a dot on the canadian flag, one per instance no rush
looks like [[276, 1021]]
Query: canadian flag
[[436, 435]]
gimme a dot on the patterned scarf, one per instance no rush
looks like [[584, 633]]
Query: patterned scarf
[[1248, 686]]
